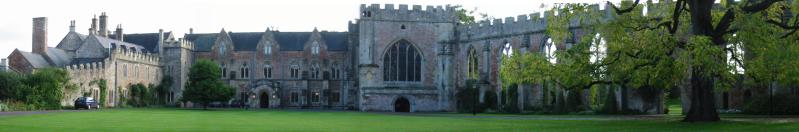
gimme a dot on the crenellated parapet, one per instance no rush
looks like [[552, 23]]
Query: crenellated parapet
[[403, 13], [519, 25], [180, 43], [84, 71], [146, 58]]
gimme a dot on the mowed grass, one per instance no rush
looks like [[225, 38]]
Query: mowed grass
[[292, 120]]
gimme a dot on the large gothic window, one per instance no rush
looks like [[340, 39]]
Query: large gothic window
[[473, 72], [402, 62]]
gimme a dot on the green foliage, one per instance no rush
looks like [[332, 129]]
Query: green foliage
[[139, 95], [204, 85], [11, 86], [47, 85], [778, 104], [464, 16], [162, 89], [103, 85]]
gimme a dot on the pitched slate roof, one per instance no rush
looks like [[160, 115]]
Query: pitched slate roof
[[36, 60], [202, 42], [336, 41], [58, 57], [71, 41], [106, 43], [289, 41], [292, 41], [245, 41], [147, 40]]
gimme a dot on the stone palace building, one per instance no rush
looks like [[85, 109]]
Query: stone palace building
[[403, 58]]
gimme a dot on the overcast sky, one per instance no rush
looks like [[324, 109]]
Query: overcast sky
[[210, 16]]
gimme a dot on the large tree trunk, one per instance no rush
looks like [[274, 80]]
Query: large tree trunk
[[703, 105]]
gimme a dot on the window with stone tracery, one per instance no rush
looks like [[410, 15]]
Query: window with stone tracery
[[402, 62], [315, 48], [268, 48], [268, 71], [473, 72]]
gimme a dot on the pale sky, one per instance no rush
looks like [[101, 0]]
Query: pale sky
[[210, 16]]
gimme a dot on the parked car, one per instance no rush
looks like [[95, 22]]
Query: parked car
[[86, 102], [236, 104]]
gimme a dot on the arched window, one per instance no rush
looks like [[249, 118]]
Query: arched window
[[473, 72], [295, 71], [315, 48], [598, 52], [268, 48], [402, 62], [222, 48], [245, 71], [549, 48], [268, 71], [315, 71], [335, 72], [507, 49], [224, 70], [598, 49]]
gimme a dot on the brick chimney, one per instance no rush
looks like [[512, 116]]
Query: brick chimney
[[93, 29], [40, 35], [103, 25], [72, 26], [119, 34]]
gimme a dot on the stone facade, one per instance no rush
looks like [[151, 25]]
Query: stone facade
[[390, 59]]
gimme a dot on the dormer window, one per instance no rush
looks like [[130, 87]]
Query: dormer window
[[315, 48], [268, 48]]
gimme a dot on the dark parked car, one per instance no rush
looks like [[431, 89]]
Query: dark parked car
[[86, 102]]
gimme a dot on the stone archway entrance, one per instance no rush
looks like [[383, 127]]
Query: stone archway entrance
[[402, 105], [264, 100]]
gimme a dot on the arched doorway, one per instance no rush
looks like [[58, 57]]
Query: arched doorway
[[264, 101], [402, 105]]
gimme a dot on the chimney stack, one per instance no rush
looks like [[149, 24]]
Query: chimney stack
[[40, 35], [119, 34], [191, 30], [93, 29], [160, 41], [3, 65], [72, 26], [103, 25]]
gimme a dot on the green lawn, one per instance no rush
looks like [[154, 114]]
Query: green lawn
[[288, 120]]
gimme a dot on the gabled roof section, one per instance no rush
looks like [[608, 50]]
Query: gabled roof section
[[36, 60], [71, 41], [202, 42]]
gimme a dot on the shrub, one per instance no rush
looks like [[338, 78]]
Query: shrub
[[781, 104]]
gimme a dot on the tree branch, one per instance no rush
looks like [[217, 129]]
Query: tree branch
[[759, 6], [622, 11]]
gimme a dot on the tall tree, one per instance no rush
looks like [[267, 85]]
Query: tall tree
[[204, 85], [676, 40]]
